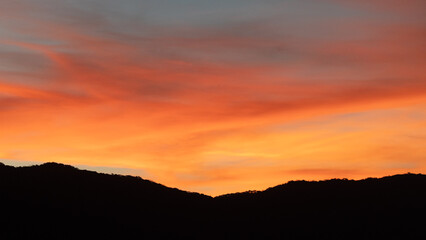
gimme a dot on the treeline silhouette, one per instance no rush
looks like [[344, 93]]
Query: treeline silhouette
[[56, 201]]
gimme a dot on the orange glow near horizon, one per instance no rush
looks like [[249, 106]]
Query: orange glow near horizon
[[216, 107]]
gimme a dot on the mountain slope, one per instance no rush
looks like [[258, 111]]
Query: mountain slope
[[59, 201]]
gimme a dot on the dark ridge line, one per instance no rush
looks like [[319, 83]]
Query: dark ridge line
[[66, 166]]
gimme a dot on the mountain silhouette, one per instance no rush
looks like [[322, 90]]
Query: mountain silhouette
[[56, 201]]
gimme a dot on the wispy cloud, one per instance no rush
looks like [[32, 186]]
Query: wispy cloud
[[192, 93]]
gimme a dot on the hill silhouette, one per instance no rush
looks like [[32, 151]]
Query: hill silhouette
[[62, 202]]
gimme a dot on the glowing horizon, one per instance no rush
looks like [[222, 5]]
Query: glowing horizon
[[216, 97]]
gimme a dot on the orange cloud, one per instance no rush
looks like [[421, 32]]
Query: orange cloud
[[210, 108]]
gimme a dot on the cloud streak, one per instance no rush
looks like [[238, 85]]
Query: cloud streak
[[193, 96]]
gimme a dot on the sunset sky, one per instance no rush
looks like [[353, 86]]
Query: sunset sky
[[215, 96]]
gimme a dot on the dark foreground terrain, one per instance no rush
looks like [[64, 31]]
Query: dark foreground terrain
[[61, 202]]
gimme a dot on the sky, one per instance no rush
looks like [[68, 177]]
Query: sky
[[215, 96]]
